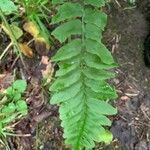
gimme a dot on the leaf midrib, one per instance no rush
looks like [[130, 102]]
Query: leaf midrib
[[82, 67]]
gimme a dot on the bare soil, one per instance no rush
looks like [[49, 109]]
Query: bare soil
[[127, 30]]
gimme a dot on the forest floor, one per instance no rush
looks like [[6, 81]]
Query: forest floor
[[125, 36], [127, 28]]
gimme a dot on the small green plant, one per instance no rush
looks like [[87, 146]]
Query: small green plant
[[81, 90], [12, 107]]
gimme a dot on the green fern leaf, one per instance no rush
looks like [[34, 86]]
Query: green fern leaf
[[98, 75], [63, 95], [99, 49], [67, 11], [64, 52], [64, 31], [81, 89], [95, 17], [97, 3], [61, 83], [94, 61], [93, 32], [65, 68]]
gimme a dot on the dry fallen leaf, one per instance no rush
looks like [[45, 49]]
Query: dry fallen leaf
[[44, 60], [41, 41], [40, 46], [26, 50], [31, 28], [48, 72], [124, 98]]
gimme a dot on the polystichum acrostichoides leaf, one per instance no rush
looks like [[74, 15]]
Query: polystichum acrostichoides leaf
[[81, 89]]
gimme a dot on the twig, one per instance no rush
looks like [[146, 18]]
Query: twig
[[118, 3], [30, 41], [14, 62], [5, 50], [17, 135]]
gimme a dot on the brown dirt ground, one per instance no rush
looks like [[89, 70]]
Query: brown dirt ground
[[127, 30]]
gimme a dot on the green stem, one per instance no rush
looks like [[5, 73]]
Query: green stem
[[82, 65]]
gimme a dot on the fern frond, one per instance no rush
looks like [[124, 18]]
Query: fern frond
[[81, 90]]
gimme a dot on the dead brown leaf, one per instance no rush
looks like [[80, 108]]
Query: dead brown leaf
[[40, 42], [26, 50], [48, 72], [41, 45], [31, 28], [124, 98]]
